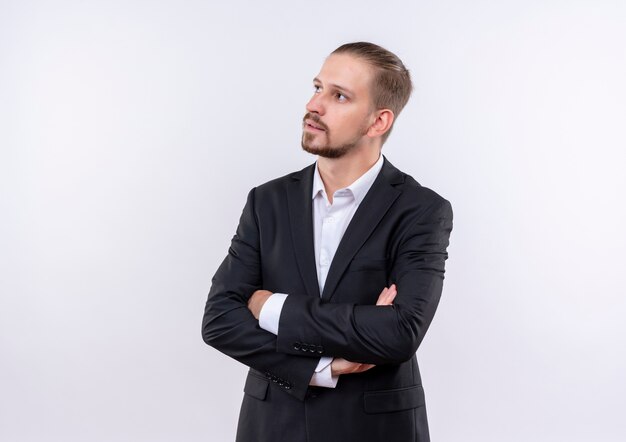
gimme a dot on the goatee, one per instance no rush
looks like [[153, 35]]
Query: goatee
[[326, 151]]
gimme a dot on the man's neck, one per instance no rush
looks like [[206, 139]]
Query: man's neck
[[337, 173]]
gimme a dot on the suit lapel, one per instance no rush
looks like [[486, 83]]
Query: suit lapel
[[376, 203], [300, 207]]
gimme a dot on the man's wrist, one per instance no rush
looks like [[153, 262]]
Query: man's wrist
[[257, 300], [270, 312]]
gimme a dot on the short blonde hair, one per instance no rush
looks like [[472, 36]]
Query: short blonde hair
[[392, 84]]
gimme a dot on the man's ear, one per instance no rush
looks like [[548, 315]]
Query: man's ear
[[382, 123]]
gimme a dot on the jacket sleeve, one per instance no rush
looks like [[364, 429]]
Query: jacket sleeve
[[379, 334], [231, 328]]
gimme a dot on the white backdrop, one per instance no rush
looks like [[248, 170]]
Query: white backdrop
[[131, 132]]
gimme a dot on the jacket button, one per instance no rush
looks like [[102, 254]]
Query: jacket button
[[297, 346], [320, 349], [287, 386]]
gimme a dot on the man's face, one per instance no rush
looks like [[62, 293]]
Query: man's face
[[341, 110]]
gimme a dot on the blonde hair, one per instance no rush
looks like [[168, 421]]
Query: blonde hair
[[392, 84]]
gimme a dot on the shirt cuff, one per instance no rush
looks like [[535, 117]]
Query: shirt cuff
[[323, 374], [270, 312]]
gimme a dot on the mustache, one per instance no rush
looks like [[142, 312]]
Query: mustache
[[316, 119]]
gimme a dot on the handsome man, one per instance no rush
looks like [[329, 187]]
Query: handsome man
[[335, 272]]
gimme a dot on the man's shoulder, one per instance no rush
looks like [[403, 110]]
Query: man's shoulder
[[413, 190], [415, 193]]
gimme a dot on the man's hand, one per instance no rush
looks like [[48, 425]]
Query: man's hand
[[387, 296], [256, 301], [341, 366]]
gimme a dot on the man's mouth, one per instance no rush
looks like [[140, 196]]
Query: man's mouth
[[310, 124]]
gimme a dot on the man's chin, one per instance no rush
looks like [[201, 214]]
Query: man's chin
[[326, 151]]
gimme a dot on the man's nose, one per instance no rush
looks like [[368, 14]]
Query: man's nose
[[315, 105]]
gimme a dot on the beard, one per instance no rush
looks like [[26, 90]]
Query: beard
[[328, 150]]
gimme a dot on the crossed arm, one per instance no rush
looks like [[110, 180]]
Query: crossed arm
[[364, 334], [339, 366]]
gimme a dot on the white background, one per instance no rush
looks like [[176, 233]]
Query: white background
[[131, 132]]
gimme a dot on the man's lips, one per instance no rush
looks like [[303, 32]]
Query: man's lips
[[310, 124]]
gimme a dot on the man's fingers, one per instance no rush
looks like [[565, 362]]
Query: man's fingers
[[364, 367], [391, 294], [341, 366], [382, 298], [360, 368], [387, 295]]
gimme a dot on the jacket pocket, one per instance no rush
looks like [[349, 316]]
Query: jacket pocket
[[398, 399], [256, 386]]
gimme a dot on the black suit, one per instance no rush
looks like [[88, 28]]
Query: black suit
[[399, 234]]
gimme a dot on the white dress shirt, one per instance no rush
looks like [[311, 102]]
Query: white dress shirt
[[329, 224]]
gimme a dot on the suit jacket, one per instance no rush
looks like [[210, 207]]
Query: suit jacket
[[399, 234]]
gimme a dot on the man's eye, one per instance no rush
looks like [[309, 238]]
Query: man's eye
[[341, 97], [317, 89]]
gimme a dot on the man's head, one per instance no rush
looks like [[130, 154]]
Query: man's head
[[359, 92]]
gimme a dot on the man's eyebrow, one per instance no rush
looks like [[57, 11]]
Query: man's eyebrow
[[336, 86]]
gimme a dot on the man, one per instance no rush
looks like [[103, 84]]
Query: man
[[335, 272]]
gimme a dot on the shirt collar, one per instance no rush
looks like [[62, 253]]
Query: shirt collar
[[358, 188]]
